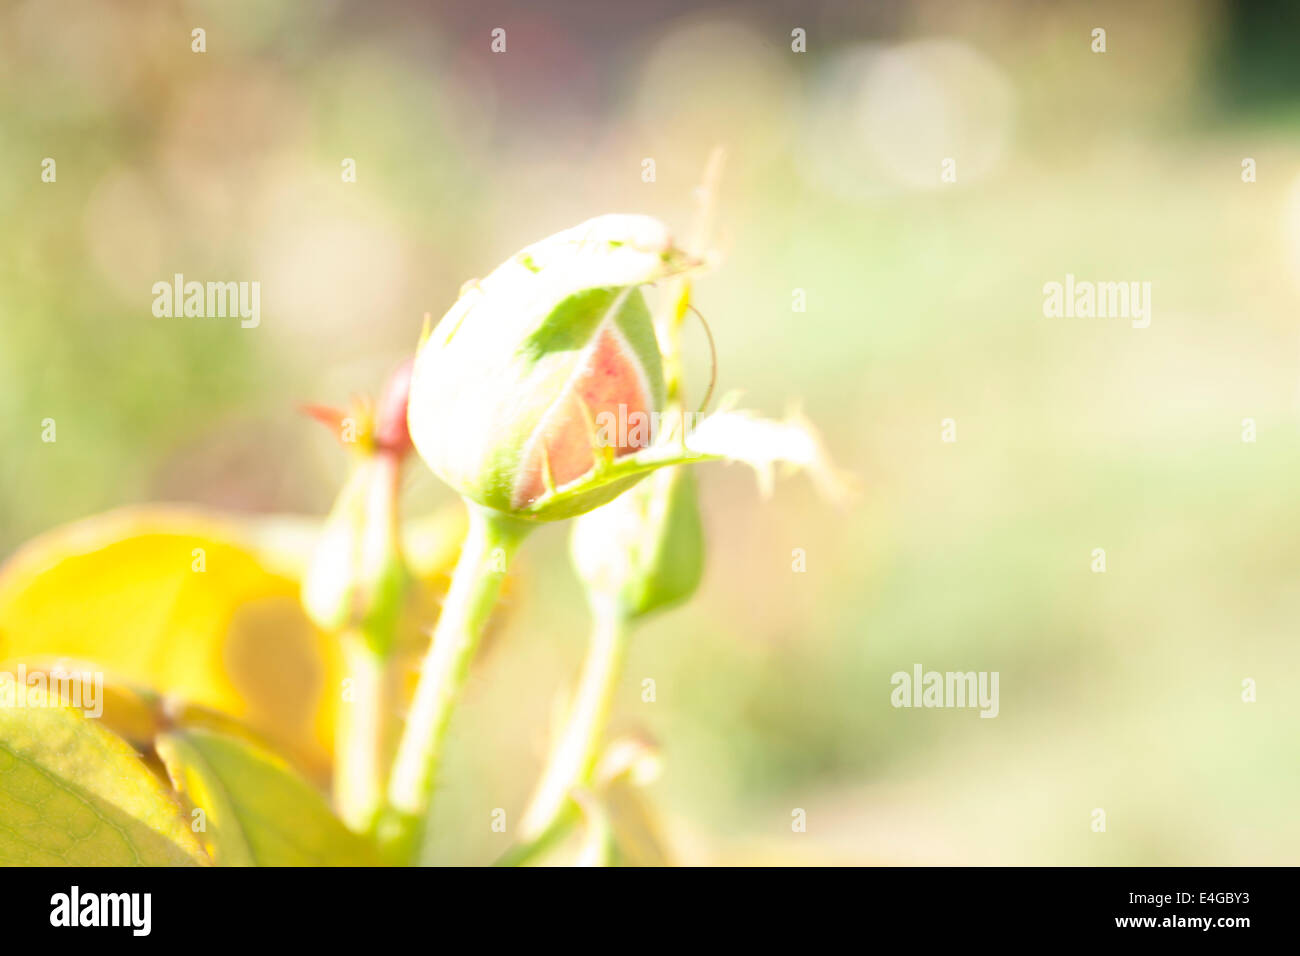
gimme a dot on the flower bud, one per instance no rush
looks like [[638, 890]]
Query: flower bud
[[357, 577], [646, 549], [391, 434], [508, 389]]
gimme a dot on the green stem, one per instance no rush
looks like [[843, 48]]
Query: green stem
[[523, 854], [361, 734], [573, 757], [489, 545]]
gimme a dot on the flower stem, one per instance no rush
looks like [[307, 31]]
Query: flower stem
[[489, 545], [361, 734], [573, 757]]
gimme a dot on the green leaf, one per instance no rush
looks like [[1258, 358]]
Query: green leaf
[[645, 549], [73, 794], [256, 810], [724, 435]]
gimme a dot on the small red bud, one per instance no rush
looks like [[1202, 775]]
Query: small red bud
[[391, 433]]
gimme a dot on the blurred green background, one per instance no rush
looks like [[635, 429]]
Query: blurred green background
[[924, 302]]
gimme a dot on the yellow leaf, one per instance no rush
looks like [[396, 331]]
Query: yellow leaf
[[73, 794], [201, 607], [256, 810]]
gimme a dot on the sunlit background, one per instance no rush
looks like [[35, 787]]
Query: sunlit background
[[1120, 691]]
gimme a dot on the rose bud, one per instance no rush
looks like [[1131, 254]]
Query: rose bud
[[391, 435], [357, 576], [644, 551], [508, 390]]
